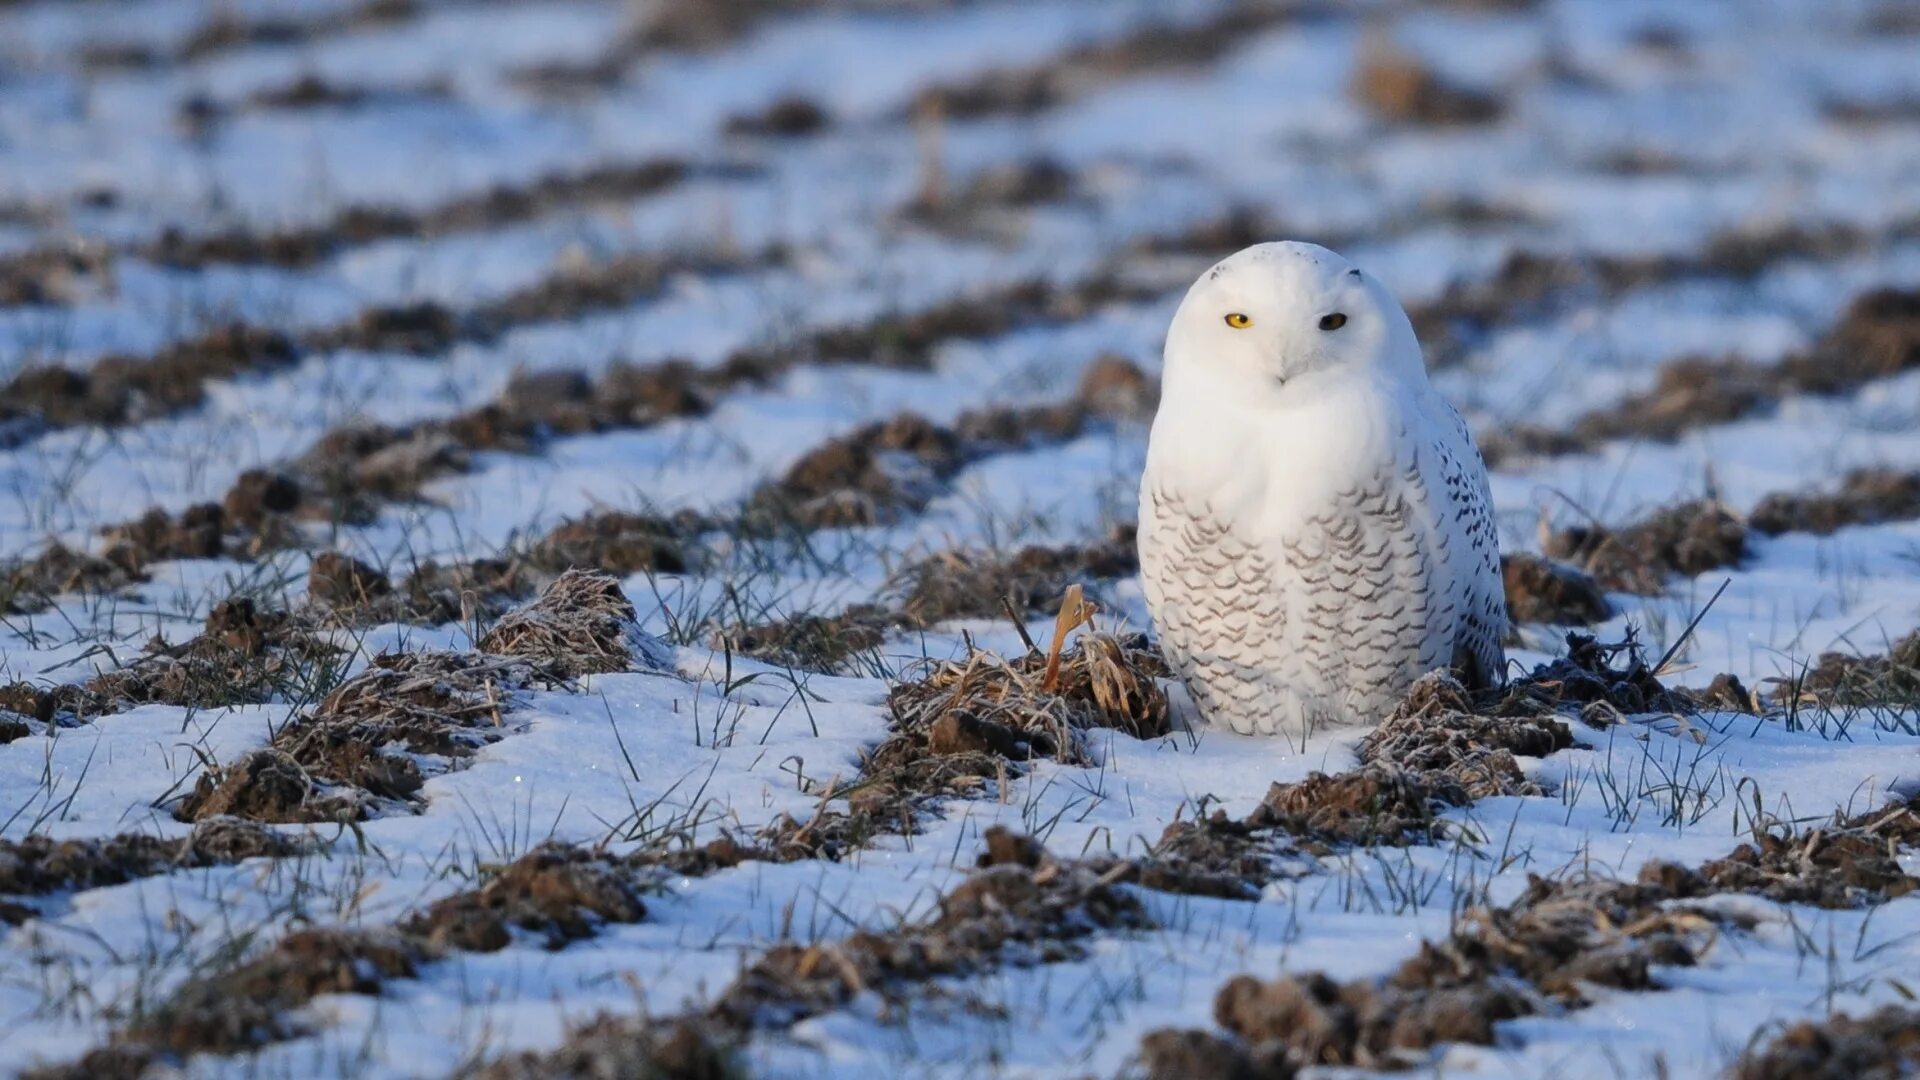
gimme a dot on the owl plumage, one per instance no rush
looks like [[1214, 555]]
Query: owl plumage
[[1316, 529]]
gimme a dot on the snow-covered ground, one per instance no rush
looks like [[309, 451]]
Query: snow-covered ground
[[1619, 133]]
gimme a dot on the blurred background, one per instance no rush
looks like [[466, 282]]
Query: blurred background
[[449, 271]]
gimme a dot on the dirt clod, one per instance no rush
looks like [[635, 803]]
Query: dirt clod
[[557, 891], [342, 581], [1845, 863], [675, 1049], [31, 585], [247, 1005], [1543, 591], [1686, 540], [1103, 681], [788, 117], [1865, 497], [1844, 679], [38, 864], [1375, 805], [1884, 1043], [1185, 1054], [1462, 756], [362, 746], [1400, 88], [580, 624]]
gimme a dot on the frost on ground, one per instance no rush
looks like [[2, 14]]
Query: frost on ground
[[585, 537]]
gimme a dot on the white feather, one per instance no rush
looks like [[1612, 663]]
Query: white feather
[[1315, 526]]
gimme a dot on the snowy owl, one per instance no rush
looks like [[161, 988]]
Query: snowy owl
[[1316, 530]]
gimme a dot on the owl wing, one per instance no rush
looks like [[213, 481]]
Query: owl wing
[[1469, 543]]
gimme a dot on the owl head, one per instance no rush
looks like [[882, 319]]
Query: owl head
[[1276, 317]]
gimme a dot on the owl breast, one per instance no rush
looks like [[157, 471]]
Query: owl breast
[[1326, 625]]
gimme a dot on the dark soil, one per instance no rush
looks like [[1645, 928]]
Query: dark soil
[[559, 892], [950, 585], [1214, 856], [869, 476], [353, 226], [977, 585], [1848, 862], [1186, 1054], [678, 1049], [358, 748], [314, 91], [907, 340], [1032, 88], [39, 865], [1843, 679], [1543, 591], [811, 642], [984, 204], [1498, 964], [1401, 89], [1444, 746], [56, 275], [247, 1006], [31, 585], [1685, 540], [789, 117], [120, 390], [1885, 1043], [580, 624], [337, 580], [1866, 497], [879, 472], [1878, 336], [1527, 285], [1007, 913]]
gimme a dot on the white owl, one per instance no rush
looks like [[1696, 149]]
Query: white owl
[[1316, 530]]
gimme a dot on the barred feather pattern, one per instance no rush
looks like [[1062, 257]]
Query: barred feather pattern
[[1395, 575]]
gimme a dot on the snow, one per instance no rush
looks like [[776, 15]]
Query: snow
[[1736, 115]]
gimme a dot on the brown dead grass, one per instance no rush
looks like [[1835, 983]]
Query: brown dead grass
[[1398, 87], [580, 624], [1884, 1043], [1865, 497], [1542, 951], [245, 656], [675, 1049], [119, 390], [1026, 89], [1845, 679], [986, 703], [1543, 591], [1005, 913], [38, 865], [559, 892], [358, 748], [1846, 863], [33, 584], [1685, 540]]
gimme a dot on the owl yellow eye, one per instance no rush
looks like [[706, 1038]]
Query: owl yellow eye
[[1239, 321]]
